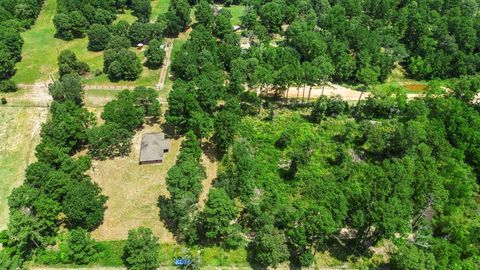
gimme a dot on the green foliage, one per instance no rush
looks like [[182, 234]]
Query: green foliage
[[84, 206], [177, 18], [225, 126], [409, 256], [68, 88], [328, 107], [70, 25], [141, 250], [218, 214], [155, 54], [269, 247], [204, 14], [124, 111], [68, 126], [68, 63], [78, 247], [118, 42], [7, 63], [142, 10], [109, 141], [122, 65], [8, 86], [98, 37]]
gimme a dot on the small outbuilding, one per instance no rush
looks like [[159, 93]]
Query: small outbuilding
[[153, 147]]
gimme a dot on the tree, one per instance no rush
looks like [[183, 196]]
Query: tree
[[368, 77], [269, 247], [204, 14], [121, 28], [141, 250], [98, 37], [140, 33], [177, 17], [69, 87], [328, 107], [223, 24], [118, 43], [155, 54], [109, 140], [78, 247], [271, 15], [182, 104], [13, 42], [70, 25], [84, 205], [7, 63], [122, 65], [142, 9], [147, 98], [68, 63], [124, 112], [218, 214], [225, 126], [410, 257], [8, 86], [68, 126]]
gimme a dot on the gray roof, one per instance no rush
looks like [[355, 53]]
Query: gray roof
[[153, 146]]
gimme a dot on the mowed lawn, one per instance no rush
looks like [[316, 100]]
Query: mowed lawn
[[41, 49], [19, 134]]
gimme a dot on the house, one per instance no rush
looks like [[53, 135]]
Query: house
[[153, 147]]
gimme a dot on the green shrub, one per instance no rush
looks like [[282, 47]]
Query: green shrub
[[8, 86]]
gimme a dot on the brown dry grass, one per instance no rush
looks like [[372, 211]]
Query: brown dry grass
[[211, 168], [133, 191], [19, 134]]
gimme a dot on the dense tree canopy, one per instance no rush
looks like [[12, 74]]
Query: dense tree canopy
[[141, 250]]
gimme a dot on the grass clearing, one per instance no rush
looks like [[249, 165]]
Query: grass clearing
[[237, 12], [41, 49], [159, 7], [19, 134], [133, 191]]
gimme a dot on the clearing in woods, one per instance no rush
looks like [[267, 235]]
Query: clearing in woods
[[133, 191], [19, 134]]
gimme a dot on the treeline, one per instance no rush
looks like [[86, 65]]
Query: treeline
[[351, 176], [364, 40], [56, 193], [344, 177], [203, 106], [15, 17]]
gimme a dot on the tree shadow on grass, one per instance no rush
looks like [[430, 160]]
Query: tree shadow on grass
[[210, 151], [170, 131]]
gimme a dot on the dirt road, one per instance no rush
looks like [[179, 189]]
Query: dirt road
[[166, 64]]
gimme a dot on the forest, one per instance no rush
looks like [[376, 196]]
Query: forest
[[298, 177]]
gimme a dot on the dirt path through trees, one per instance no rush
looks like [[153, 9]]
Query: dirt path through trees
[[166, 64]]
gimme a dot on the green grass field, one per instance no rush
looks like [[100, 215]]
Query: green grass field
[[41, 49], [237, 12]]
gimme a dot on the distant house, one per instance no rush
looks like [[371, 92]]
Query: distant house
[[153, 147]]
